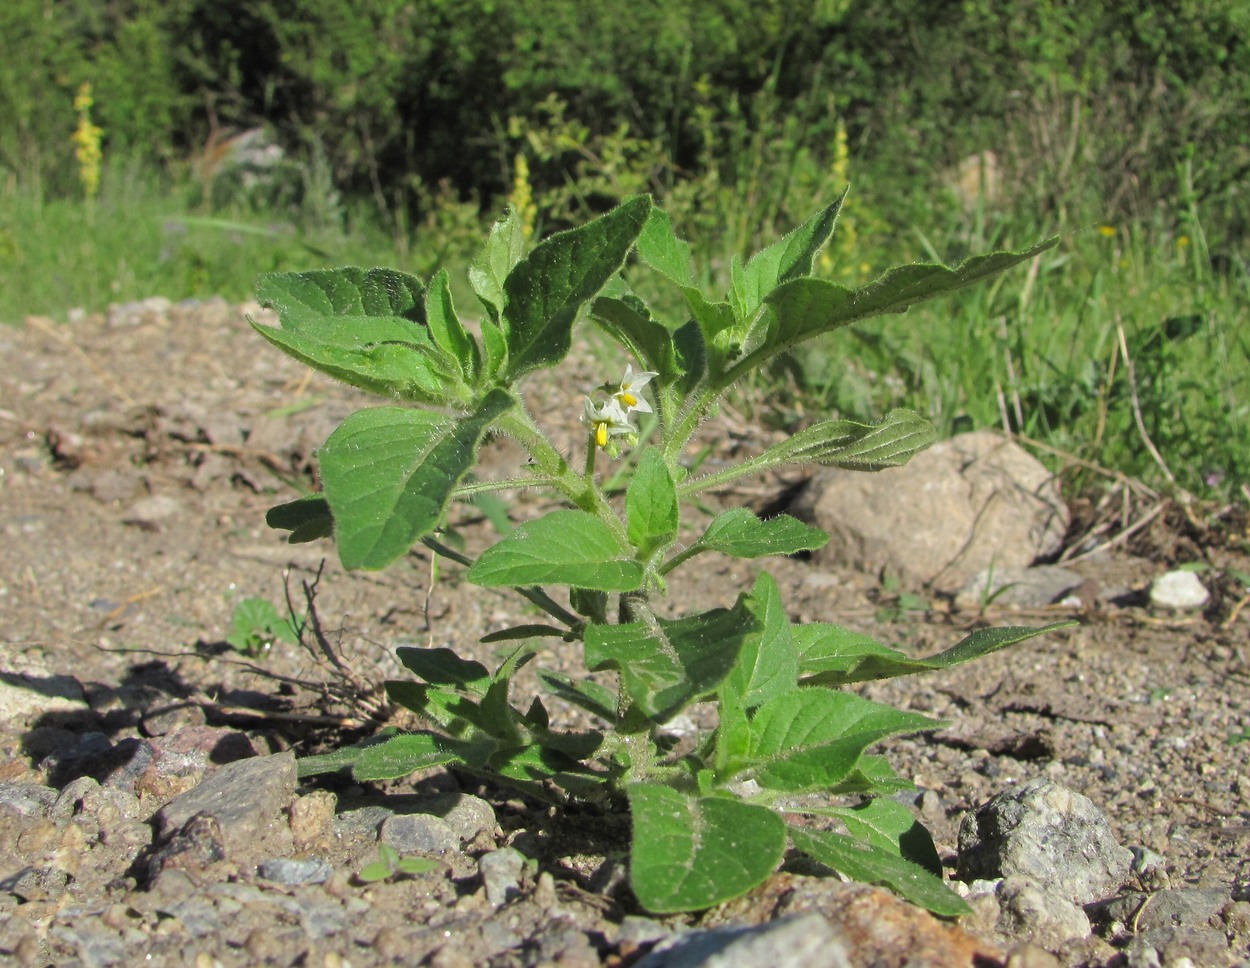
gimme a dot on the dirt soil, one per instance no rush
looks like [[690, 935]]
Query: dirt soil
[[139, 452]]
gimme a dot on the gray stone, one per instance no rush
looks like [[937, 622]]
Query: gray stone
[[292, 871], [246, 798], [97, 946], [108, 806], [969, 503], [501, 874], [30, 693], [1178, 589], [409, 832], [1198, 947], [361, 822], [466, 814], [795, 942], [1028, 912], [1180, 908], [27, 799], [1052, 835], [1025, 587], [635, 931], [151, 513]]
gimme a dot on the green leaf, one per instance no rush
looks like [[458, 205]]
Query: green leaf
[[307, 518], [366, 328], [498, 717], [830, 655], [257, 624], [856, 446], [888, 825], [790, 258], [628, 321], [688, 854], [651, 504], [503, 250], [446, 329], [812, 739], [560, 548], [342, 758], [805, 307], [659, 248], [416, 865], [301, 298], [389, 474], [443, 667], [670, 664], [535, 631], [449, 710], [532, 766], [984, 641], [872, 865], [546, 289], [768, 665], [740, 533], [406, 753], [589, 695], [872, 776]]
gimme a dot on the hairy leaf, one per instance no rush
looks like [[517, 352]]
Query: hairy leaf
[[812, 738], [546, 289], [389, 474], [740, 533], [690, 853], [872, 865], [563, 547], [669, 664]]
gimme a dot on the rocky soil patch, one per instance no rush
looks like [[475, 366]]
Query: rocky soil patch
[[1090, 793]]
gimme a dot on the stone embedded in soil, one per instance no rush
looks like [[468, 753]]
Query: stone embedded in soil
[[969, 503], [152, 513], [1180, 907], [466, 814], [246, 798], [1178, 589], [873, 924], [799, 941], [293, 871], [1026, 587], [418, 832], [1047, 833], [501, 874], [34, 694], [1029, 912]]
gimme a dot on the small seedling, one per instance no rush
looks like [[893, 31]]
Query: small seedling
[[257, 625], [390, 866]]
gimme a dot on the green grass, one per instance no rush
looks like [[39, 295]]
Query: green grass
[[1040, 350], [144, 236]]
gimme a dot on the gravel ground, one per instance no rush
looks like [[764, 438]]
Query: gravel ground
[[148, 791]]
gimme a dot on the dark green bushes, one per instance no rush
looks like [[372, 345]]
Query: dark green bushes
[[402, 95]]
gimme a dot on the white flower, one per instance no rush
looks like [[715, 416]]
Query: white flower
[[606, 420], [626, 392]]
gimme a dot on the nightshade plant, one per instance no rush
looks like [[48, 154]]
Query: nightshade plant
[[707, 824]]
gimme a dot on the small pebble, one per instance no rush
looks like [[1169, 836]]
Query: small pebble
[[412, 832], [1178, 589], [290, 871], [501, 874]]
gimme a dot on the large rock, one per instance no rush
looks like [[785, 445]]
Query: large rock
[[966, 504], [1048, 834]]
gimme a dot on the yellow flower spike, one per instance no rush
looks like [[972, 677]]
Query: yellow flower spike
[[1107, 231]]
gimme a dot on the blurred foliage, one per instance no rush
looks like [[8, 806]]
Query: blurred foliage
[[400, 95]]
